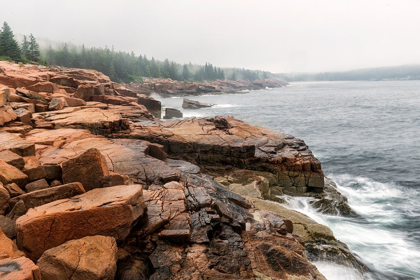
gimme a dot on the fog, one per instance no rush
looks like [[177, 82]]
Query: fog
[[279, 36]]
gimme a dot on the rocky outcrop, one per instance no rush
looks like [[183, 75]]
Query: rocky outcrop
[[192, 104], [147, 186], [171, 113], [221, 145], [168, 87], [91, 257]]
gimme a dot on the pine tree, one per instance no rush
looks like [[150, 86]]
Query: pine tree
[[8, 45], [25, 47], [33, 49], [185, 73]]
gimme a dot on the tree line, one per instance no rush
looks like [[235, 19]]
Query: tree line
[[118, 65], [127, 67], [11, 50]]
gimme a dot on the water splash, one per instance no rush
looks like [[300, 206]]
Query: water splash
[[374, 237]]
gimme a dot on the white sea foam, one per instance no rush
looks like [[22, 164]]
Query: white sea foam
[[333, 271], [381, 247], [225, 105]]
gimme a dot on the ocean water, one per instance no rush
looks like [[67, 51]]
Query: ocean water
[[367, 137]]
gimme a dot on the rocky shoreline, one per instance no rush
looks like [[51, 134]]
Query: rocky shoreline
[[94, 185], [168, 87]]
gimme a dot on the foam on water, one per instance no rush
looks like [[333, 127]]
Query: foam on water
[[372, 236]]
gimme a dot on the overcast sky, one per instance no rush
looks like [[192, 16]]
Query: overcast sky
[[279, 36]]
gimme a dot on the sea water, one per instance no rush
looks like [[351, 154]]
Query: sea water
[[367, 137]]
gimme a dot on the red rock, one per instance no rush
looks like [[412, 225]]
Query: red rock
[[10, 174], [89, 168], [85, 92], [57, 104], [14, 190], [43, 87], [110, 211], [6, 115], [13, 142], [33, 169], [12, 159], [23, 115], [2, 98], [44, 196], [91, 257], [20, 268], [8, 248]]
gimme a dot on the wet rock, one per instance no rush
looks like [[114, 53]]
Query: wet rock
[[192, 104], [10, 174], [19, 268], [89, 168], [91, 257], [154, 106], [110, 211], [12, 159], [171, 113]]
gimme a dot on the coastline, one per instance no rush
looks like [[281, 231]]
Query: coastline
[[65, 115]]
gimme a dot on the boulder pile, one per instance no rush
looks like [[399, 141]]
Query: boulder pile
[[93, 186]]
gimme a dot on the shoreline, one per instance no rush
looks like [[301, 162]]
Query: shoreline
[[67, 119]]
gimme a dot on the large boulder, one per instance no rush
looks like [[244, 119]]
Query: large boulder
[[192, 104], [110, 211], [91, 257], [171, 113], [89, 169], [10, 174]]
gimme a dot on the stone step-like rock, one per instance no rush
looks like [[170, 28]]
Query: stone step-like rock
[[108, 211]]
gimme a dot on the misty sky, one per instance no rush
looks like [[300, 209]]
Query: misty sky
[[279, 36]]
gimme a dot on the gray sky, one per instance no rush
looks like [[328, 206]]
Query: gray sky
[[279, 36]]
